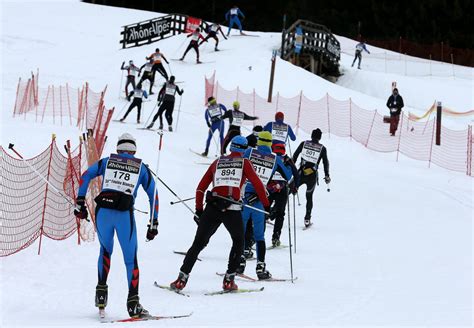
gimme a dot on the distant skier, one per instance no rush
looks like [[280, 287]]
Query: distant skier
[[212, 33], [236, 118], [193, 44], [132, 72], [312, 152], [137, 94], [166, 97], [280, 131], [147, 74], [157, 56], [395, 105], [279, 188], [122, 174], [213, 117], [232, 16], [227, 175], [265, 164], [358, 53], [253, 137]]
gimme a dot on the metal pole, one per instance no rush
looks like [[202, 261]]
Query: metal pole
[[439, 110], [179, 110], [289, 238], [294, 218], [272, 77], [184, 200]]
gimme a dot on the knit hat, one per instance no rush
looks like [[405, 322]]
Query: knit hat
[[279, 149], [238, 144], [279, 116], [264, 139], [211, 100], [316, 134], [126, 142], [236, 104]]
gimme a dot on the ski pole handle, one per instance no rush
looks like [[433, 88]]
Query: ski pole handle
[[183, 200]]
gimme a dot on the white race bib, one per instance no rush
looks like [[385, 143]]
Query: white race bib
[[157, 57], [279, 132], [263, 165], [148, 67], [170, 89], [122, 174], [138, 93], [311, 152], [214, 27], [229, 172], [237, 118], [195, 37], [278, 177], [214, 111], [234, 11]]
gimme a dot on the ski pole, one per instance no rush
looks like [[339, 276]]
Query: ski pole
[[240, 203], [298, 197], [160, 144], [121, 111], [169, 67], [179, 110], [121, 81], [289, 238], [184, 200], [149, 116], [11, 147], [174, 194], [328, 189], [294, 219]]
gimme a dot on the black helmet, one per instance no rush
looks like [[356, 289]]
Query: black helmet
[[157, 50], [316, 135], [172, 78]]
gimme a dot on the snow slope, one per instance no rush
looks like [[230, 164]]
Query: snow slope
[[392, 243]]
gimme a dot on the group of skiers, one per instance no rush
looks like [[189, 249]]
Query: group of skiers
[[250, 185]]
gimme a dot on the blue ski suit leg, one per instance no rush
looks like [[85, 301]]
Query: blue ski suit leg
[[258, 219], [108, 223]]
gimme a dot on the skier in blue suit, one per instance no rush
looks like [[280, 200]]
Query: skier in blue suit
[[280, 131], [265, 164], [121, 174], [232, 16], [213, 116]]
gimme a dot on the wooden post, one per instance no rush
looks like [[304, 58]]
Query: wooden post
[[439, 110], [272, 76]]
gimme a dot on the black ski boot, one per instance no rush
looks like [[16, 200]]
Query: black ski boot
[[135, 309], [160, 127], [170, 128], [101, 295], [150, 126], [307, 221], [242, 265], [248, 253], [262, 273], [205, 153], [276, 241]]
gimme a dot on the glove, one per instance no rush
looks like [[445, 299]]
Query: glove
[[81, 211], [152, 230], [293, 188], [197, 216], [267, 208], [182, 91], [327, 179]]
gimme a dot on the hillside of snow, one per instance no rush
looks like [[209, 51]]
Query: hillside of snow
[[391, 243]]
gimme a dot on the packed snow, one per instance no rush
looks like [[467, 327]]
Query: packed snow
[[391, 243]]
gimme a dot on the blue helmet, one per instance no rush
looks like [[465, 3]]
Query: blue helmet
[[238, 144]]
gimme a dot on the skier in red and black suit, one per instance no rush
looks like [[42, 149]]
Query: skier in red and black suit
[[236, 118], [195, 36], [212, 33], [228, 174], [279, 188], [312, 152]]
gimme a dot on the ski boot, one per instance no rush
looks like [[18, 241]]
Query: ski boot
[[135, 309], [307, 221], [228, 283], [276, 241], [248, 253], [180, 282], [181, 59], [101, 293], [150, 126], [198, 61], [138, 121], [262, 273], [151, 92], [170, 128], [216, 49], [160, 127], [122, 119], [241, 268], [205, 153]]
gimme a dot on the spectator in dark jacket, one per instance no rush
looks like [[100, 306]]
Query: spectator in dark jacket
[[395, 105]]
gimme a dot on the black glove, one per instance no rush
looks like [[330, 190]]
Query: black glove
[[81, 211], [327, 179], [267, 208], [197, 216], [152, 230]]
